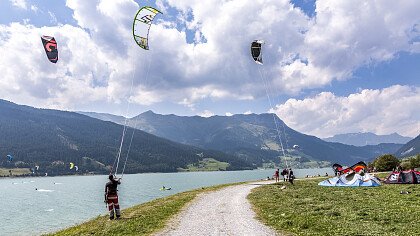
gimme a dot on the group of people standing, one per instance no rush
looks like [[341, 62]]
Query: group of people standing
[[287, 174]]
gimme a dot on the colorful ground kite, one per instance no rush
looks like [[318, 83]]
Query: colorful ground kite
[[50, 46], [256, 51], [359, 166], [404, 177], [352, 180], [141, 25]]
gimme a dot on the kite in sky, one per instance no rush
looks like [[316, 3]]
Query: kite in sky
[[141, 25], [256, 51], [50, 46]]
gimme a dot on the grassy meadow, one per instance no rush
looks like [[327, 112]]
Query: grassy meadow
[[308, 209], [207, 164], [15, 171]]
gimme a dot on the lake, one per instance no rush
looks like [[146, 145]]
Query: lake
[[62, 201]]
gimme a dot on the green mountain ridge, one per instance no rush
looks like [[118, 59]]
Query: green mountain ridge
[[253, 138], [51, 139]]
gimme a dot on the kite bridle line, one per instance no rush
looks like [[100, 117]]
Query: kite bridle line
[[263, 79], [270, 91], [135, 125], [117, 158]]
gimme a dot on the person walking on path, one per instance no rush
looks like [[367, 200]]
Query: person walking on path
[[111, 196]]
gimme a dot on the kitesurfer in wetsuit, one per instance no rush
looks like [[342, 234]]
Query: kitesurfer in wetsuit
[[111, 197]]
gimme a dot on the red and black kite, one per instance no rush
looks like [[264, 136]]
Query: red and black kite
[[50, 46]]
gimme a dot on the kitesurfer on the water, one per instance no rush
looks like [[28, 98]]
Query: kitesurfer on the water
[[111, 196]]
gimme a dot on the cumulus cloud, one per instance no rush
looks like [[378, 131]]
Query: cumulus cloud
[[23, 4], [20, 4], [393, 109], [206, 113], [99, 55]]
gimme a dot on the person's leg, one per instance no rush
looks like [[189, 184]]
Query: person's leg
[[111, 208], [117, 208]]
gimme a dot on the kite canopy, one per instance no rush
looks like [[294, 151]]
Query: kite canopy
[[256, 51], [359, 166], [50, 46], [71, 165], [404, 177], [351, 180], [141, 25]]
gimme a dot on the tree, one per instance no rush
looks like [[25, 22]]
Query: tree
[[415, 162], [386, 162]]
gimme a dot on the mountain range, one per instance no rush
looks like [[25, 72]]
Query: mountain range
[[51, 139], [410, 149], [253, 138], [363, 139]]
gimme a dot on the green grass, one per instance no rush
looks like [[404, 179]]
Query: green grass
[[15, 171], [308, 209], [143, 219], [207, 164]]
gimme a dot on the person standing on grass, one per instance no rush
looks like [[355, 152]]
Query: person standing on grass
[[291, 175], [285, 174], [277, 175], [111, 196]]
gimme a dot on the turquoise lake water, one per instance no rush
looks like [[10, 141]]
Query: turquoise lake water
[[64, 201]]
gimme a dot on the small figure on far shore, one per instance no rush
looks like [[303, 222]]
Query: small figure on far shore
[[276, 175], [285, 173], [326, 174], [291, 176]]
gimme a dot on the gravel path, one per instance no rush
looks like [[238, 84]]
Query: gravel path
[[223, 212]]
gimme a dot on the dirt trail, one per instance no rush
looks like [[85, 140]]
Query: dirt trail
[[223, 212]]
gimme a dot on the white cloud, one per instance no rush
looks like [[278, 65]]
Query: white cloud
[[228, 114], [53, 18], [100, 57], [23, 4], [34, 8], [393, 109], [206, 113], [248, 112], [20, 4]]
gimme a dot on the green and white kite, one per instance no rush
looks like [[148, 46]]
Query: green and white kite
[[141, 25]]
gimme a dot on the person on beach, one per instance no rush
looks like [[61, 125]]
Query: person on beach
[[277, 175], [111, 196], [284, 173], [291, 176]]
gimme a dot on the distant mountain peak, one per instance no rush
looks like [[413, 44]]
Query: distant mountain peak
[[367, 138]]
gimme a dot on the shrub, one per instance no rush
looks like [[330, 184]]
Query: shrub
[[386, 162]]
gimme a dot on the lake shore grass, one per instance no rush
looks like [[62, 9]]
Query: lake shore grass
[[308, 209], [143, 219], [16, 172]]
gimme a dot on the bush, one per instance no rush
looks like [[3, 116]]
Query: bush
[[415, 162], [386, 162]]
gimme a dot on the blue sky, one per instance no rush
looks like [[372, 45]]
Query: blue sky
[[330, 66]]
